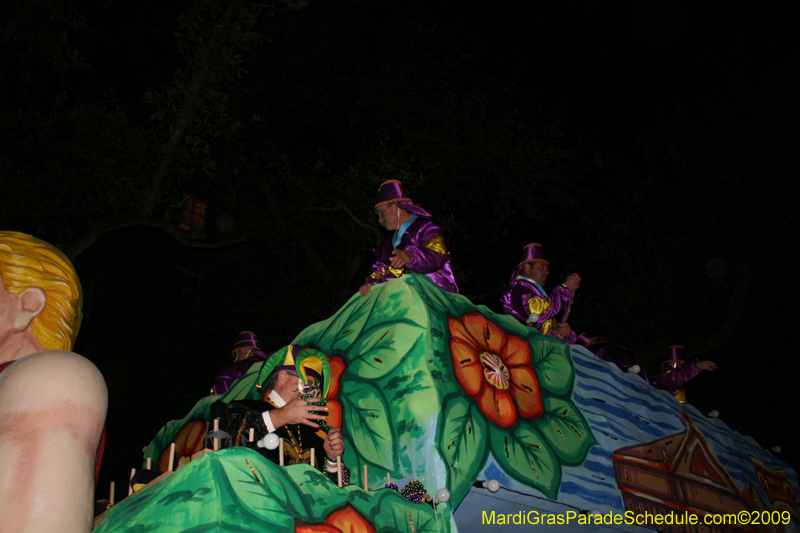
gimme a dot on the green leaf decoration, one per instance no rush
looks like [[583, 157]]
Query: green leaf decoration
[[204, 492], [526, 456], [237, 489], [374, 333], [382, 347], [391, 510], [462, 441], [552, 365], [367, 416], [565, 430]]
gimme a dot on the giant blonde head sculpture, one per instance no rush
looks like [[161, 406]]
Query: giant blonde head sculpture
[[56, 399], [26, 261]]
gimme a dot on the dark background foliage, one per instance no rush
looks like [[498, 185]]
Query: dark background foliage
[[651, 149]]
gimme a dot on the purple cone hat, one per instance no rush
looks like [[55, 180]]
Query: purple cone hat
[[533, 252], [246, 339], [676, 353], [584, 339], [393, 191]]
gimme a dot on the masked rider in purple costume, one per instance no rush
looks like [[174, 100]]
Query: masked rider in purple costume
[[416, 243], [672, 376], [676, 371], [246, 352], [526, 300]]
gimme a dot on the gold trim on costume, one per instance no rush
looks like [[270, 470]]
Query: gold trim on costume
[[539, 306], [393, 200], [396, 272], [547, 325], [680, 395], [437, 245], [294, 457], [386, 270]]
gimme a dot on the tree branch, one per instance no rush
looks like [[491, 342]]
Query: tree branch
[[10, 30], [316, 262], [369, 227], [188, 109], [74, 249]]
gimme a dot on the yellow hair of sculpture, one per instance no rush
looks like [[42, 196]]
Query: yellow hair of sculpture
[[25, 262]]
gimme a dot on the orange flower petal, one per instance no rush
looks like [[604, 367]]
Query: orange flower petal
[[163, 461], [195, 438], [517, 351], [467, 366], [498, 406], [334, 419], [337, 369], [180, 438], [488, 334], [458, 331], [525, 389], [189, 440], [348, 520]]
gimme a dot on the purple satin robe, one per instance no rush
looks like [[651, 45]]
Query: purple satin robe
[[516, 301], [673, 379], [233, 371], [428, 261]]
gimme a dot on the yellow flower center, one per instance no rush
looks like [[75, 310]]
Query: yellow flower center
[[494, 370]]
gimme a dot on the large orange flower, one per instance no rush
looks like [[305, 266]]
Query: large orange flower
[[494, 369], [189, 440], [334, 419], [345, 520]]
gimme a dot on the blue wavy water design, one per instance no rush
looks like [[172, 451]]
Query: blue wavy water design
[[622, 412], [598, 482], [604, 469], [595, 497], [625, 418]]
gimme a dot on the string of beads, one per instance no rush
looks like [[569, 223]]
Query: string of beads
[[322, 403], [414, 491], [566, 314]]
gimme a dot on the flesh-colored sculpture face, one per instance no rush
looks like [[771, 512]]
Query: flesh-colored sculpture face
[[7, 313], [16, 314], [29, 263]]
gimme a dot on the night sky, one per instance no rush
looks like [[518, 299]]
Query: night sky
[[652, 149]]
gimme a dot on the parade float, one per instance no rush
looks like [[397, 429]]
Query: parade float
[[432, 393]]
